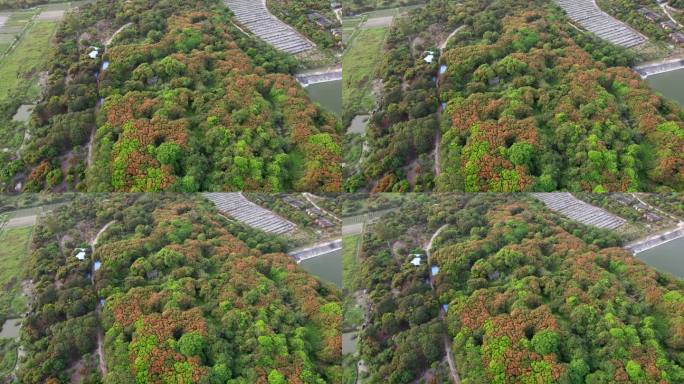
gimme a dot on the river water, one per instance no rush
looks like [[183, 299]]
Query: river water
[[327, 267], [667, 257], [670, 84], [328, 95]]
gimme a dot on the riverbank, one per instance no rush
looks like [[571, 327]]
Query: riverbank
[[319, 76], [658, 67], [316, 250], [655, 240]]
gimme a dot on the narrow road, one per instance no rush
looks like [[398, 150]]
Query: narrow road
[[677, 219], [666, 9], [444, 44], [93, 131], [455, 378], [100, 335], [438, 136], [438, 140], [309, 197], [109, 41]]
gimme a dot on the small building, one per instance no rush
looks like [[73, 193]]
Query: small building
[[622, 199], [81, 254], [319, 19], [324, 223], [430, 57], [649, 15], [93, 54], [668, 25], [494, 81], [640, 207], [416, 259], [677, 37], [652, 217], [294, 202], [335, 5]]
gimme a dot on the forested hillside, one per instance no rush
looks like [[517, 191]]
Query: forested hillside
[[179, 100], [522, 295], [177, 299], [518, 100]]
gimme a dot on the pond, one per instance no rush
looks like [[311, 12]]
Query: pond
[[349, 342], [358, 124], [23, 113], [10, 330], [667, 257], [670, 84], [328, 95], [327, 267]]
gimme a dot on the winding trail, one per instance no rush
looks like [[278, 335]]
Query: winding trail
[[100, 335], [109, 41], [309, 197], [455, 378], [442, 47], [666, 9], [671, 216], [438, 136], [93, 131]]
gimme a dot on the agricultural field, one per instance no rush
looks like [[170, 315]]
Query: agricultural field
[[352, 7], [13, 255], [19, 69], [360, 62]]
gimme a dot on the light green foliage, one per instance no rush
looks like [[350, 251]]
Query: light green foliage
[[545, 342], [191, 344]]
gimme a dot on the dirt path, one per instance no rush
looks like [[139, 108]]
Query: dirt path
[[444, 44], [100, 334], [666, 9], [89, 159], [438, 140], [309, 197], [671, 216], [109, 41], [438, 136], [455, 378]]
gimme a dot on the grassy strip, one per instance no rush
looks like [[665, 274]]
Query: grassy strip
[[12, 258], [359, 65], [19, 69]]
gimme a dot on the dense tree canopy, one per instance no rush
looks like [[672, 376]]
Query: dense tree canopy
[[525, 102], [182, 300], [181, 100], [527, 297]]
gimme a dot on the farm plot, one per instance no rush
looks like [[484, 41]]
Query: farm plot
[[591, 17], [237, 206], [575, 209], [257, 18]]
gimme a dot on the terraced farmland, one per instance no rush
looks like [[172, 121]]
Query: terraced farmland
[[235, 205], [257, 18], [591, 17], [575, 209]]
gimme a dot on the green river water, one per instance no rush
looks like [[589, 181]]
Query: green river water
[[670, 84], [668, 257], [328, 95]]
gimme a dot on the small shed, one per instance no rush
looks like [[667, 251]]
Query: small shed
[[80, 254]]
